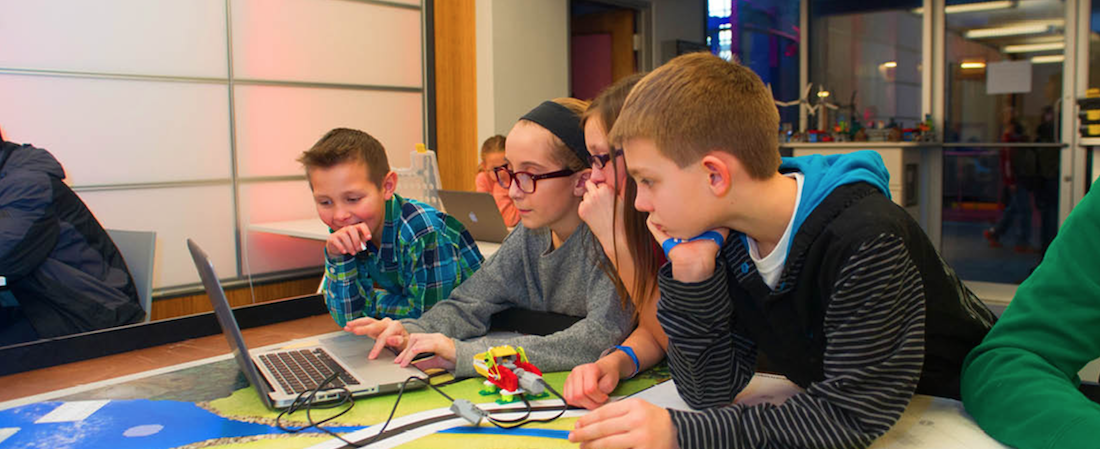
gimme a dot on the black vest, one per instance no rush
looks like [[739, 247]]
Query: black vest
[[787, 324]]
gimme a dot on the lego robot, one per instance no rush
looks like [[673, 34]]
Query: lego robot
[[508, 372]]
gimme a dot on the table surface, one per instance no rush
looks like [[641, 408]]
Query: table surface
[[121, 393], [315, 229], [46, 380]]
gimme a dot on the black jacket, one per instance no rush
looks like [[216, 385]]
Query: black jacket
[[59, 262], [787, 324], [864, 315]]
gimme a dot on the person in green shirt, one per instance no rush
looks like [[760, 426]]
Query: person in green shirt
[[1020, 383]]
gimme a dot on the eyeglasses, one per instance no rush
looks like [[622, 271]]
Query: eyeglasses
[[525, 181], [599, 160]]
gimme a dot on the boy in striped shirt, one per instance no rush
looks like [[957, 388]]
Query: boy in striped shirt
[[808, 262], [387, 256]]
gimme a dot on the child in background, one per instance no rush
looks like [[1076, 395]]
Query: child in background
[[608, 209], [545, 265], [805, 260], [414, 254], [492, 156]]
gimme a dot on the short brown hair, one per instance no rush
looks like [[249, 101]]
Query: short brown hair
[[697, 103], [348, 145], [562, 154]]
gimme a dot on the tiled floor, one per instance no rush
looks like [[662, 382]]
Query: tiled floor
[[973, 259]]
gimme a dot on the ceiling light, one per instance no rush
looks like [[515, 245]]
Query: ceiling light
[[1028, 48], [1014, 30], [890, 64], [973, 7], [823, 94], [972, 65], [1048, 59]]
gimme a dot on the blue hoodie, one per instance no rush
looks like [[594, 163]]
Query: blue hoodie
[[823, 174]]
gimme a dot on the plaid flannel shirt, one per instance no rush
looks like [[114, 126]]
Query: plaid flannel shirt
[[424, 255]]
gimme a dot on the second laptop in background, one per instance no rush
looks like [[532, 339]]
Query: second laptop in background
[[478, 212]]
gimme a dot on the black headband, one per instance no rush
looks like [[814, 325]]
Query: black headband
[[563, 123]]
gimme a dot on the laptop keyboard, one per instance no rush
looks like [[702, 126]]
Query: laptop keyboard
[[302, 370]]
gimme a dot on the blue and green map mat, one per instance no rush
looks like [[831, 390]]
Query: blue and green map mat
[[212, 406]]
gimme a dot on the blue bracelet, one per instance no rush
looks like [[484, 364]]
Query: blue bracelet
[[630, 352], [667, 245]]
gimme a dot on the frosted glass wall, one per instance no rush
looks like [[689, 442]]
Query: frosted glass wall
[[184, 117]]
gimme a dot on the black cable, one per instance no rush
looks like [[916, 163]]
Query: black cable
[[494, 421], [400, 392], [500, 423], [565, 407], [307, 401]]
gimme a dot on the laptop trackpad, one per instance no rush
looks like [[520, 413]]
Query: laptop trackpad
[[353, 350]]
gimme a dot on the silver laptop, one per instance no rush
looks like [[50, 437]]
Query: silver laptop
[[478, 212], [281, 375]]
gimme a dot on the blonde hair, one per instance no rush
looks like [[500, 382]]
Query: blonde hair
[[491, 145], [698, 103]]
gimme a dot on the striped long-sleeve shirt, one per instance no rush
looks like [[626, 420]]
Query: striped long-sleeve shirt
[[424, 255], [874, 327]]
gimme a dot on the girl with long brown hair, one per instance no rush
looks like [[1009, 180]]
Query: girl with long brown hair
[[608, 209]]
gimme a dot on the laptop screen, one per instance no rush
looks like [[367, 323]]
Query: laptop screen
[[227, 322]]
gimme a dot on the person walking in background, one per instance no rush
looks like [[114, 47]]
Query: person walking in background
[[1045, 179], [1017, 213]]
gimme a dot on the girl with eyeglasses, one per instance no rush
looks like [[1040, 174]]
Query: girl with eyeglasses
[[545, 265], [492, 156], [633, 255]]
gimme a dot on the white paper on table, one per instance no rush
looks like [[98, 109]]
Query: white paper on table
[[762, 388], [936, 422], [928, 422]]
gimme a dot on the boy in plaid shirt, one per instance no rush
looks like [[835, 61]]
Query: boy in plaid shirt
[[387, 256]]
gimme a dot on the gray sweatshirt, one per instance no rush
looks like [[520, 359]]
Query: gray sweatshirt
[[525, 273]]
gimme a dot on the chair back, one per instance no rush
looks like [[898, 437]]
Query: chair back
[[138, 249]]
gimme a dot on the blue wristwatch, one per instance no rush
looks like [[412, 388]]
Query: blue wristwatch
[[670, 243]]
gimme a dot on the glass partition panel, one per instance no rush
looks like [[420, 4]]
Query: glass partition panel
[[763, 35], [1094, 44], [1002, 154], [1004, 69], [865, 64]]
